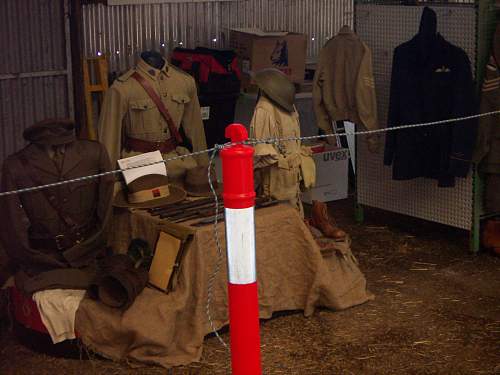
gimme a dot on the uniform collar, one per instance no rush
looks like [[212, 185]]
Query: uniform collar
[[39, 158], [346, 30], [149, 71], [72, 158]]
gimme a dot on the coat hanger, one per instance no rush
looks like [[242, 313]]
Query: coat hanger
[[428, 23], [347, 18]]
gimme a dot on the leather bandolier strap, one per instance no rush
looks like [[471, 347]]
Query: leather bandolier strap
[[159, 104], [139, 145]]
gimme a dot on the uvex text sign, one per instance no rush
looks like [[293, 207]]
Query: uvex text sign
[[331, 176], [336, 155]]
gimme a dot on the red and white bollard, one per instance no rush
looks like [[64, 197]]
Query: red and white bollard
[[239, 201]]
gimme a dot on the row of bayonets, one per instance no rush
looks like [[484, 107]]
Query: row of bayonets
[[203, 208]]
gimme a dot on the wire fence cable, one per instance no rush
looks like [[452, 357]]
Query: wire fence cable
[[248, 142]]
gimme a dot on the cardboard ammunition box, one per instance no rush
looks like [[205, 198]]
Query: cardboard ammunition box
[[257, 49]]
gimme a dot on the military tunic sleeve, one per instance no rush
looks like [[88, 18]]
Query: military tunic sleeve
[[14, 229], [488, 129], [393, 117], [484, 135], [366, 100], [262, 127], [193, 124], [105, 187], [464, 133], [110, 122], [322, 116]]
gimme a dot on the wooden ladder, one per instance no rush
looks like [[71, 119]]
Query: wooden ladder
[[94, 68]]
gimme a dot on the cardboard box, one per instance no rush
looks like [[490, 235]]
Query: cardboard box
[[257, 49], [331, 175]]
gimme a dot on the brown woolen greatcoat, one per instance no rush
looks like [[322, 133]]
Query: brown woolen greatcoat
[[487, 151], [29, 216]]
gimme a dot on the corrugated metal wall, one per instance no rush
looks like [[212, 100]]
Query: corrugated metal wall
[[34, 71], [122, 32]]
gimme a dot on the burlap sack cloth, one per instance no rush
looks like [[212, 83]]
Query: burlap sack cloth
[[168, 330]]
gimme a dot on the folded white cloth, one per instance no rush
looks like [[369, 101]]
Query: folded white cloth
[[57, 309]]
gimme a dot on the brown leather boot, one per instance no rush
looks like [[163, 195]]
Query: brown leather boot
[[491, 235], [326, 225]]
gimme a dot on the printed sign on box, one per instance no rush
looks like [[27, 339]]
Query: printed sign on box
[[259, 49], [331, 176]]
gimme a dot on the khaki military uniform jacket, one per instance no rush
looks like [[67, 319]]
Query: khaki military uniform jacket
[[487, 152], [344, 87], [129, 111], [29, 216], [278, 166]]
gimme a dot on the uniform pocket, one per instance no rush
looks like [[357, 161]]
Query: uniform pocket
[[179, 102], [283, 182], [82, 197], [181, 99], [144, 116], [37, 207]]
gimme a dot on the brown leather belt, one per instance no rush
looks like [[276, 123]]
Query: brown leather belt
[[139, 145], [62, 241]]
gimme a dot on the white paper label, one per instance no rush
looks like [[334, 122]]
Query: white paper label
[[205, 113], [154, 158], [245, 66]]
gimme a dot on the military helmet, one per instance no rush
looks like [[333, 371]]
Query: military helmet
[[277, 87]]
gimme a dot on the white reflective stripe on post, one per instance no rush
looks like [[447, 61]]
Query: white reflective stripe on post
[[240, 237]]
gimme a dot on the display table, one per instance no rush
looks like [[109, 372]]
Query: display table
[[168, 329]]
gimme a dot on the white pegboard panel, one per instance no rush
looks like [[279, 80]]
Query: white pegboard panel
[[383, 28]]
